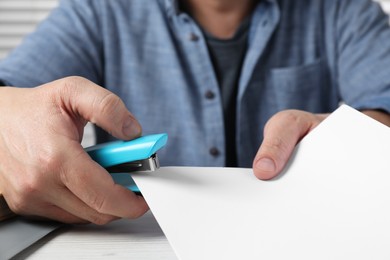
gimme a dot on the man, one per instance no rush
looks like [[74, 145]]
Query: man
[[210, 73]]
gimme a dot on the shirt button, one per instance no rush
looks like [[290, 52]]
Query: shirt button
[[209, 94], [186, 19], [214, 151], [193, 37]]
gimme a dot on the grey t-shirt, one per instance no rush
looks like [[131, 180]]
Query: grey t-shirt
[[227, 57]]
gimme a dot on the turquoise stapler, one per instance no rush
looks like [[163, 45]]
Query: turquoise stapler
[[122, 157]]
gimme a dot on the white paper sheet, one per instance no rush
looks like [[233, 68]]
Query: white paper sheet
[[332, 202]]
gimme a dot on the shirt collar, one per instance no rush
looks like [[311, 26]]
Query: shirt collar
[[172, 6]]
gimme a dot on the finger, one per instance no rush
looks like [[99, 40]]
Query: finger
[[99, 106], [56, 203], [55, 213], [281, 134], [42, 209], [95, 187], [68, 202]]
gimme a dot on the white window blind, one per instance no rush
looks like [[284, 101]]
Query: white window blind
[[18, 18]]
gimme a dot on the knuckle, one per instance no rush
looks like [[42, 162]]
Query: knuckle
[[275, 144], [98, 203], [49, 159], [21, 202], [30, 185], [109, 104], [25, 190], [70, 83], [69, 86], [73, 81], [18, 205], [65, 167], [287, 116], [297, 118], [100, 219]]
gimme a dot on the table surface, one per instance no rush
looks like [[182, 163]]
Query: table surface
[[123, 239]]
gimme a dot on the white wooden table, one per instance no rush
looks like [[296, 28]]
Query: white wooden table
[[122, 239]]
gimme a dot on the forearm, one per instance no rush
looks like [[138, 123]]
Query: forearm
[[379, 115]]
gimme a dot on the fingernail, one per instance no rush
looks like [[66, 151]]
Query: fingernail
[[130, 128], [266, 165]]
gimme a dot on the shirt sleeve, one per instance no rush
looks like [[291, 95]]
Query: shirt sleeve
[[67, 43], [363, 43]]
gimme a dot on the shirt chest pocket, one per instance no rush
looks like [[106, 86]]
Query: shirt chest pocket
[[306, 87]]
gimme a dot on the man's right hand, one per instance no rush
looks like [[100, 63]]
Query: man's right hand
[[44, 171]]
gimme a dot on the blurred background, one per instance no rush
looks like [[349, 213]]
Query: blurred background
[[19, 17]]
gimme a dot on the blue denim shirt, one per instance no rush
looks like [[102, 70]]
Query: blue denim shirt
[[302, 54]]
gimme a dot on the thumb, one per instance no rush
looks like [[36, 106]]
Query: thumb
[[281, 134], [99, 106]]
